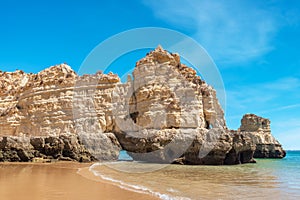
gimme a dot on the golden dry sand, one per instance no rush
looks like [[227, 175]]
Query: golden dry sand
[[57, 181]]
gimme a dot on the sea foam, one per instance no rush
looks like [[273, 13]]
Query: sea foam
[[132, 187]]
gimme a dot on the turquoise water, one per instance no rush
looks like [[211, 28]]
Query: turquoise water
[[124, 156], [267, 179], [286, 170]]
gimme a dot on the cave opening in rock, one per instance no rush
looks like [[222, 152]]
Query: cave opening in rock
[[241, 157], [19, 107], [124, 156], [208, 125], [134, 116]]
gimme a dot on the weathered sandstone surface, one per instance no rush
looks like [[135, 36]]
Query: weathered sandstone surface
[[37, 106], [165, 113], [43, 149], [258, 129]]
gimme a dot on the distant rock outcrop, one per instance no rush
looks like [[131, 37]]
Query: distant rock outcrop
[[258, 129], [165, 113]]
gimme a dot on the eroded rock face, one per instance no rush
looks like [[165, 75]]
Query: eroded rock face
[[41, 105], [258, 129], [48, 148], [174, 116], [165, 113]]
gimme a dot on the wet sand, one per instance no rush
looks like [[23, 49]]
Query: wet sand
[[59, 181]]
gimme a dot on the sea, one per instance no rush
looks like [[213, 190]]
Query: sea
[[266, 179]]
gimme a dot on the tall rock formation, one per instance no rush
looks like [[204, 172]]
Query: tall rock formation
[[165, 113], [174, 116]]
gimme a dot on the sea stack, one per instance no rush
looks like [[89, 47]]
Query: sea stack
[[258, 129], [165, 113]]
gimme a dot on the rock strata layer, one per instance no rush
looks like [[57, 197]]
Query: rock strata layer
[[258, 129], [43, 149], [165, 113]]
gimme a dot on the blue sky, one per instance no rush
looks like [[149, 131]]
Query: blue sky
[[255, 45]]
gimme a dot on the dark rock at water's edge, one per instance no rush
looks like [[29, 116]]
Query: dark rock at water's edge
[[43, 149], [258, 129], [165, 113], [269, 151]]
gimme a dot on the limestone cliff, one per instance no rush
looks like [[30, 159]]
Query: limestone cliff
[[174, 116], [35, 107], [164, 113]]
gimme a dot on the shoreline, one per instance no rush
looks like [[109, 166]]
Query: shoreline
[[60, 181]]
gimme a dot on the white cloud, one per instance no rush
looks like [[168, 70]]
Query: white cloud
[[263, 92], [281, 108], [286, 83], [232, 31], [263, 98], [289, 138]]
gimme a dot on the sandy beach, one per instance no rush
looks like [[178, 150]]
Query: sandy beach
[[59, 181]]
